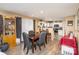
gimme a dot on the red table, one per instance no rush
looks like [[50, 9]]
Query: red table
[[70, 42]]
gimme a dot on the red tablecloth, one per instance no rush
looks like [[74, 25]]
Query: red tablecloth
[[70, 42]]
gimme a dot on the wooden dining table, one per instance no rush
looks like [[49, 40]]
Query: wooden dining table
[[34, 39]]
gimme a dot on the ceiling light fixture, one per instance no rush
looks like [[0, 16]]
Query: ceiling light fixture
[[41, 11], [32, 15]]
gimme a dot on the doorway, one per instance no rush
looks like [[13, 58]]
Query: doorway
[[18, 29]]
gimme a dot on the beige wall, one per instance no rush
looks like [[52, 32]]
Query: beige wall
[[24, 19], [7, 13], [36, 25], [73, 28], [68, 28], [65, 26]]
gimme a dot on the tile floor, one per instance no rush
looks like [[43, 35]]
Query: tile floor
[[51, 48]]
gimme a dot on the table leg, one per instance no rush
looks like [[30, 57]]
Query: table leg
[[32, 46]]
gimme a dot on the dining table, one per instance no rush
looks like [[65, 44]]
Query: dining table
[[33, 40]]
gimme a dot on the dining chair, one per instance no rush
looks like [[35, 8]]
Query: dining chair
[[31, 33], [41, 40], [27, 42], [46, 41]]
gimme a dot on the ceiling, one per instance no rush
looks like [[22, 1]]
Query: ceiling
[[46, 11]]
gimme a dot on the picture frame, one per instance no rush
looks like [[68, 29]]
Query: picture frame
[[70, 23]]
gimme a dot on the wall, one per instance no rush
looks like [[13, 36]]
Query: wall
[[76, 29], [67, 27], [26, 21], [5, 13], [73, 28], [27, 25], [12, 14], [36, 25]]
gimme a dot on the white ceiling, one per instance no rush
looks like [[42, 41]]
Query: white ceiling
[[48, 11]]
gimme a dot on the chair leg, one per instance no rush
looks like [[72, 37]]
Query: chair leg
[[46, 41], [27, 50], [35, 47], [24, 47], [44, 45], [40, 47]]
